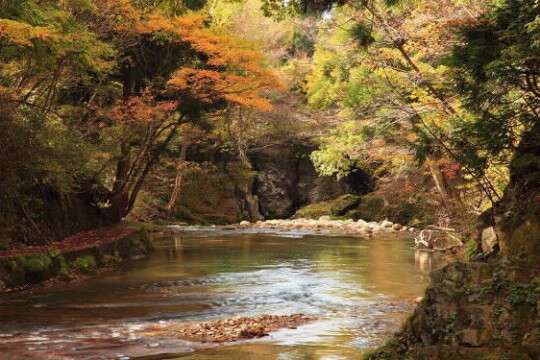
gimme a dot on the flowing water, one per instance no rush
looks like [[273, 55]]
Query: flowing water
[[358, 289]]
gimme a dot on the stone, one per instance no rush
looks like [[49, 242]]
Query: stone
[[474, 337], [343, 204], [489, 239], [245, 223], [324, 218], [397, 227], [386, 224]]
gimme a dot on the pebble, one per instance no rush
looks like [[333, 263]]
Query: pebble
[[326, 223]]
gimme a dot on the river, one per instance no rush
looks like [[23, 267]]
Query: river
[[358, 289]]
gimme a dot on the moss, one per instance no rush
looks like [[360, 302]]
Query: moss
[[146, 239], [85, 263], [314, 211], [374, 207], [63, 272], [5, 244], [13, 265], [343, 204], [149, 227], [112, 260], [523, 294], [38, 263]]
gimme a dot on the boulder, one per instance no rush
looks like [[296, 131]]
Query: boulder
[[489, 239], [386, 224], [474, 337], [343, 204]]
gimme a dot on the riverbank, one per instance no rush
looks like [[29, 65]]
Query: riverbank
[[473, 310], [75, 257]]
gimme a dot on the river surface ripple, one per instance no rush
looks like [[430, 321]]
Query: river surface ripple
[[358, 289]]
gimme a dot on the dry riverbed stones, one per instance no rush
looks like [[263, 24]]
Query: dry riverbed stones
[[325, 223]]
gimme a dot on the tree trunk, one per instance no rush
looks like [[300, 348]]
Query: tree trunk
[[175, 195]]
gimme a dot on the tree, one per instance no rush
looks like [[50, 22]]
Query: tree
[[499, 69], [123, 76], [395, 78]]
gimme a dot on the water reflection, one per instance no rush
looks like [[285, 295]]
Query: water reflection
[[359, 289], [424, 260]]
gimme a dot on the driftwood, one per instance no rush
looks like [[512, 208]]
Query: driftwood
[[426, 239], [439, 228]]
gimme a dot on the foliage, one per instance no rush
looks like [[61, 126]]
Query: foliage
[[85, 263], [385, 66], [94, 93], [498, 65]]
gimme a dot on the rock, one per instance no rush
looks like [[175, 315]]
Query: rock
[[286, 180], [343, 204], [386, 224], [245, 223], [474, 337], [489, 239], [531, 343], [397, 227], [419, 299], [324, 218]]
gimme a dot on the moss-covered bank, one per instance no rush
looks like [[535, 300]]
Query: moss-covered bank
[[488, 308], [472, 311], [20, 271]]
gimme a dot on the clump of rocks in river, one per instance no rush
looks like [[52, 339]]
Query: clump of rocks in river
[[242, 328], [326, 223]]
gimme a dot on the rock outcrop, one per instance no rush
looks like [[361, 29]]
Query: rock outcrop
[[475, 311], [286, 180], [488, 308]]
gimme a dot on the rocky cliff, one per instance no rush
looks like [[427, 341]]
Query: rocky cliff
[[488, 308], [281, 181], [286, 180]]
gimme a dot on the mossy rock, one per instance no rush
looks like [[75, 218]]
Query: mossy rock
[[38, 263], [86, 264], [343, 204], [374, 208], [314, 211], [146, 240]]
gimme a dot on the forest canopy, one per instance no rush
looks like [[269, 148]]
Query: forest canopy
[[108, 98]]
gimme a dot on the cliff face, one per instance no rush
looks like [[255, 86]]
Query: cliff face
[[286, 181], [488, 308], [281, 181]]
